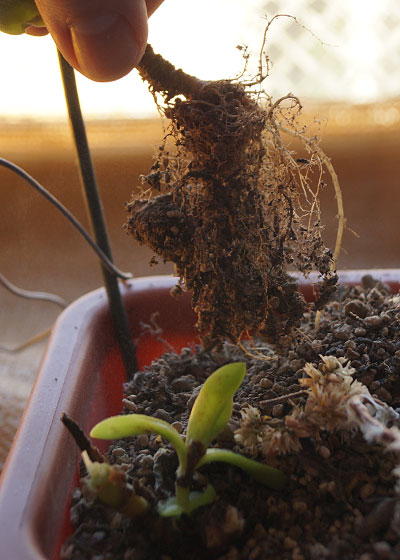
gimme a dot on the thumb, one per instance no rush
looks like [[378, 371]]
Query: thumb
[[103, 39]]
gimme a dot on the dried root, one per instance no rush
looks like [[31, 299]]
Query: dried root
[[231, 207]]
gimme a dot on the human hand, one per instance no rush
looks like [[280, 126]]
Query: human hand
[[102, 39]]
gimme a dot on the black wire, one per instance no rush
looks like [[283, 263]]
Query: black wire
[[95, 210], [65, 212], [29, 294]]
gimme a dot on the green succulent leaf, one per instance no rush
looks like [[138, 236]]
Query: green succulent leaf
[[17, 15], [213, 406], [117, 427], [266, 475], [172, 508]]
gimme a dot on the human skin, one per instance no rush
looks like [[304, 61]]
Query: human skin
[[102, 39]]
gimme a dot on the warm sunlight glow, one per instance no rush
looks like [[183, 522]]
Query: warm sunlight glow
[[352, 61], [183, 31]]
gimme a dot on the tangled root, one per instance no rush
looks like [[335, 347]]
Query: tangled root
[[231, 210]]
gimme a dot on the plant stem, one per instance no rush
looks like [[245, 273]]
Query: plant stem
[[182, 496], [165, 78]]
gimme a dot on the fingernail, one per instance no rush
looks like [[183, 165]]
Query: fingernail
[[105, 46]]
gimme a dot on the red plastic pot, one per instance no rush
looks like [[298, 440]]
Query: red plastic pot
[[82, 375]]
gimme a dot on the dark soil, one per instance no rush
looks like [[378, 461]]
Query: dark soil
[[340, 502]]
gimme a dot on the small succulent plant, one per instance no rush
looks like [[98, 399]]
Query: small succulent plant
[[209, 416]]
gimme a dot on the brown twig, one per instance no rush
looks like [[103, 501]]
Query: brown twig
[[283, 398], [81, 439]]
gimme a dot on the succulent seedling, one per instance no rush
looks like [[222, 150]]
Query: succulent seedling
[[209, 416], [17, 15]]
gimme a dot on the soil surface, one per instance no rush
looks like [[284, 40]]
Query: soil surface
[[340, 501]]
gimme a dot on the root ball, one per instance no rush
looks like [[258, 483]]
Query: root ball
[[231, 212]]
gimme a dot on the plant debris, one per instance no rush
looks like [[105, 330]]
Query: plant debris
[[230, 205], [342, 499]]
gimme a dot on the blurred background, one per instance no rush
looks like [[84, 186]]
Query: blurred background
[[342, 59]]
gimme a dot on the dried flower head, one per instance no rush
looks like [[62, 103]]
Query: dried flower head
[[281, 441], [330, 389], [249, 433], [258, 435], [395, 301], [335, 401]]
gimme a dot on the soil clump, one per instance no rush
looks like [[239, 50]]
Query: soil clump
[[229, 204]]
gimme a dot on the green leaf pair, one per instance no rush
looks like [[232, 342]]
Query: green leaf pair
[[210, 414]]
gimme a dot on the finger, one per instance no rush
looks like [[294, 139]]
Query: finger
[[36, 31], [102, 39], [152, 6]]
